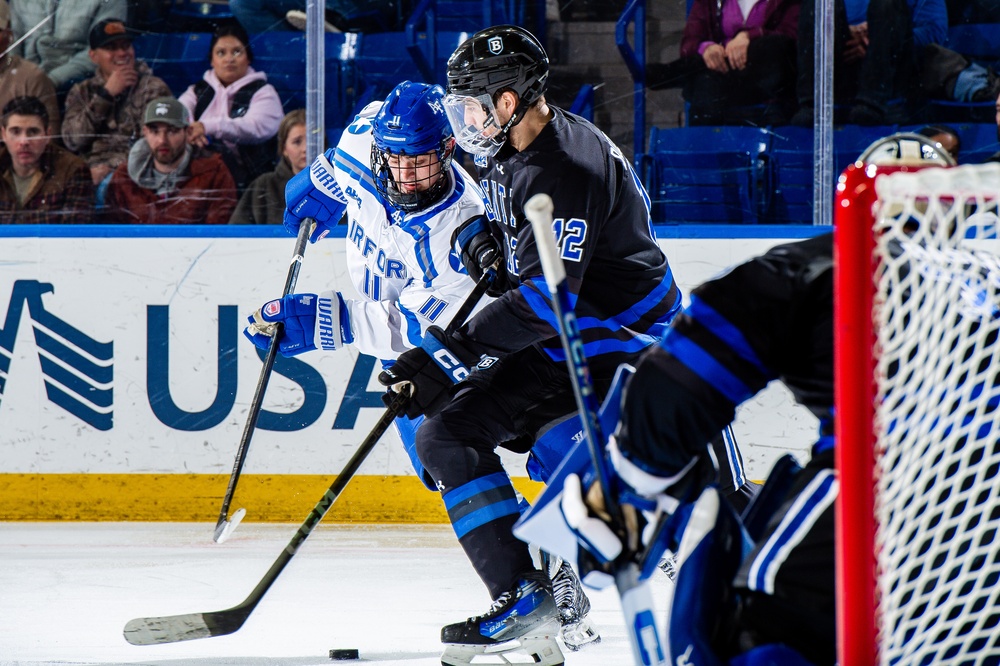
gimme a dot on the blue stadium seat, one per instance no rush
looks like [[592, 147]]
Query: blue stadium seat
[[179, 58], [976, 40], [381, 65], [708, 175], [282, 56], [792, 162]]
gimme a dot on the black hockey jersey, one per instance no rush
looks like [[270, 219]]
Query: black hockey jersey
[[623, 287]]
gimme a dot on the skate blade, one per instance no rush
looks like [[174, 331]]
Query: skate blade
[[537, 650], [578, 635]]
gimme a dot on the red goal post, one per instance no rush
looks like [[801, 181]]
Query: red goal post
[[917, 409]]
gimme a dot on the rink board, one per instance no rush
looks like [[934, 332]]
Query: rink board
[[125, 380]]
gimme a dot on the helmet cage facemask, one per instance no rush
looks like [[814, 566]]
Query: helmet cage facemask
[[408, 202]]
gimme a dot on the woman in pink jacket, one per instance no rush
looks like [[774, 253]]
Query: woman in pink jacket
[[235, 110]]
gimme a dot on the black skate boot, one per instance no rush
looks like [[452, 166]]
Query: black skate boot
[[522, 620], [573, 604]]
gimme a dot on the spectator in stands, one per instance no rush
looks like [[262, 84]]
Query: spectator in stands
[[341, 15], [23, 78], [234, 107], [166, 180], [877, 54], [104, 113], [59, 29], [735, 53], [944, 136], [40, 182], [264, 200]]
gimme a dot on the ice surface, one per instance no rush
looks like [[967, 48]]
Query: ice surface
[[67, 590]]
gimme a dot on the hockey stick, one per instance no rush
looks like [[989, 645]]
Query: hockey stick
[[175, 628], [225, 526], [636, 597]]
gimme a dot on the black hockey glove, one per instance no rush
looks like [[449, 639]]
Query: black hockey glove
[[476, 246], [428, 372]]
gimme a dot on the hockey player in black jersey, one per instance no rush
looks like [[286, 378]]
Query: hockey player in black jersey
[[516, 385]]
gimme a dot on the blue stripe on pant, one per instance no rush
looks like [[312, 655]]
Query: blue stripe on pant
[[483, 512]]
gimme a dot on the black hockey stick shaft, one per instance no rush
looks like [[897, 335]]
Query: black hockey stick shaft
[[223, 527], [636, 597], [176, 628]]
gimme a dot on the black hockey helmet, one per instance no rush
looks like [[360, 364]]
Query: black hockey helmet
[[500, 58], [504, 56]]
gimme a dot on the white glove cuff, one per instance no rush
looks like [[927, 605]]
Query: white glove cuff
[[640, 480]]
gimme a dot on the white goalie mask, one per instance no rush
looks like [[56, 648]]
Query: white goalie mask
[[476, 125], [906, 149]]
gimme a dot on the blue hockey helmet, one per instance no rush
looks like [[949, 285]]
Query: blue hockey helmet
[[413, 146]]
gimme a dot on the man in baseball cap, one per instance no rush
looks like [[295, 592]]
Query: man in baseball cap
[[104, 112], [166, 180]]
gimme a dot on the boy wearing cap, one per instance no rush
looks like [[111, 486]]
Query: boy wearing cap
[[22, 78], [40, 182], [104, 113], [167, 181]]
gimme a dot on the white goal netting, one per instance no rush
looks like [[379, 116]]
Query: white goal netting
[[937, 416]]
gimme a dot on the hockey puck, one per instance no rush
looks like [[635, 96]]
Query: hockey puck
[[344, 655]]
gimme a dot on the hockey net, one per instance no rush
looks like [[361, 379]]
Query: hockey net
[[918, 415]]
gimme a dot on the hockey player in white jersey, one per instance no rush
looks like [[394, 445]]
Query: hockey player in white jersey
[[392, 174]]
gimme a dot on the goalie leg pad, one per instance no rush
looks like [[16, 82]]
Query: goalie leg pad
[[710, 553]]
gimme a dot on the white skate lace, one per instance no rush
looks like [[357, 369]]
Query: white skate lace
[[572, 603]]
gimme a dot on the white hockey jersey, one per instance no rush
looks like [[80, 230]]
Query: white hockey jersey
[[402, 264]]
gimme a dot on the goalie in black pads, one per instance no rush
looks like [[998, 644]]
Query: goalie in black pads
[[516, 385], [756, 588]]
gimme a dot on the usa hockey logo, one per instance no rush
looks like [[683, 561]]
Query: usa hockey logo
[[76, 368], [273, 308], [495, 45]]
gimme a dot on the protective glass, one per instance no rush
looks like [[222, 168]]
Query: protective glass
[[475, 122]]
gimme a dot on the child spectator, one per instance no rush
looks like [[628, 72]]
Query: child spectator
[[23, 78], [40, 182], [104, 113], [59, 44], [264, 200], [235, 108], [165, 181]]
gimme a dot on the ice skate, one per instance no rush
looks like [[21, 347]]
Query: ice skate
[[521, 624], [576, 630]]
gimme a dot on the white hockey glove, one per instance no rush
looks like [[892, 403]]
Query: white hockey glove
[[309, 321], [314, 193], [602, 540]]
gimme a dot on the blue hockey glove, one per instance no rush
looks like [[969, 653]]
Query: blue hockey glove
[[314, 193], [476, 246], [309, 321], [427, 372]]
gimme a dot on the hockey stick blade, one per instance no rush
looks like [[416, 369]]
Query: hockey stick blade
[[636, 596], [177, 628], [191, 626], [225, 528]]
